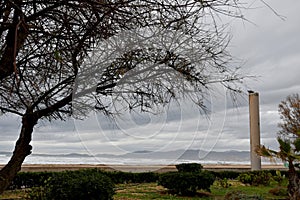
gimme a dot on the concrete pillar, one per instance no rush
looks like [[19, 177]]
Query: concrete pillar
[[254, 130]]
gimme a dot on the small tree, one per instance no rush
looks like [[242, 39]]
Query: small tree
[[142, 55], [289, 142]]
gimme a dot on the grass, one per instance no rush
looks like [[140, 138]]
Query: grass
[[236, 186], [146, 191], [152, 191], [14, 194]]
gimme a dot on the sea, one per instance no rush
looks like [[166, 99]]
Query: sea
[[146, 158]]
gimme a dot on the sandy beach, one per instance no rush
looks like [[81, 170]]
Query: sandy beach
[[135, 168]]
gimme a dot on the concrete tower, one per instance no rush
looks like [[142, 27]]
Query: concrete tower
[[254, 130]]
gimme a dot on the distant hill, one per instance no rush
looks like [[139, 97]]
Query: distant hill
[[190, 155], [197, 155]]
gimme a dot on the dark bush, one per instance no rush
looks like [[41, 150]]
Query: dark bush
[[227, 174], [119, 177], [245, 178], [186, 183], [127, 177], [261, 178], [145, 177], [37, 179], [36, 193], [79, 185], [189, 167], [30, 179], [256, 178]]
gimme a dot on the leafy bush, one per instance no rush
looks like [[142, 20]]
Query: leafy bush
[[245, 178], [76, 185], [36, 193], [186, 183], [189, 167], [227, 174], [279, 178], [256, 178], [145, 177], [37, 179], [30, 179], [127, 177], [224, 183]]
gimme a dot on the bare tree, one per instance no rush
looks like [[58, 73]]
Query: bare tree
[[140, 53], [289, 142]]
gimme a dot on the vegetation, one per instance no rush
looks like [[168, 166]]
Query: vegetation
[[127, 177], [63, 183], [165, 49], [78, 185], [189, 167], [186, 183], [30, 180], [289, 142], [237, 190], [187, 180], [224, 183], [255, 178], [37, 179], [227, 174]]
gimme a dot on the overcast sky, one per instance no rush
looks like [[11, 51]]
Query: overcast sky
[[270, 49]]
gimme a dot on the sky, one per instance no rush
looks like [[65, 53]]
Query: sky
[[269, 48]]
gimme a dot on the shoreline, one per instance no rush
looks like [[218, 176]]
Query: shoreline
[[137, 168]]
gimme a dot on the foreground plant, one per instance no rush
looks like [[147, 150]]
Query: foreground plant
[[187, 180], [289, 142]]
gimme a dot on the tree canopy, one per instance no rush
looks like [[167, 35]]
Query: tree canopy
[[45, 43]]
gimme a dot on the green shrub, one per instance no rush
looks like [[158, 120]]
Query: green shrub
[[279, 178], [36, 193], [145, 177], [224, 183], [29, 179], [227, 174], [186, 183], [245, 178], [127, 177], [255, 178], [76, 185], [37, 179], [119, 177], [189, 167]]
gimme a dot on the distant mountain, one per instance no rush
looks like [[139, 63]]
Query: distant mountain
[[191, 155], [51, 155], [216, 156], [2, 153], [196, 155]]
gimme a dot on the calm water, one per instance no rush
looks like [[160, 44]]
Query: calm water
[[116, 161]]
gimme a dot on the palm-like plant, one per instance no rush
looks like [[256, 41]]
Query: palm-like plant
[[289, 142]]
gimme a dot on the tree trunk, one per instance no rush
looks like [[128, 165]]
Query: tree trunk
[[22, 149], [294, 183]]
